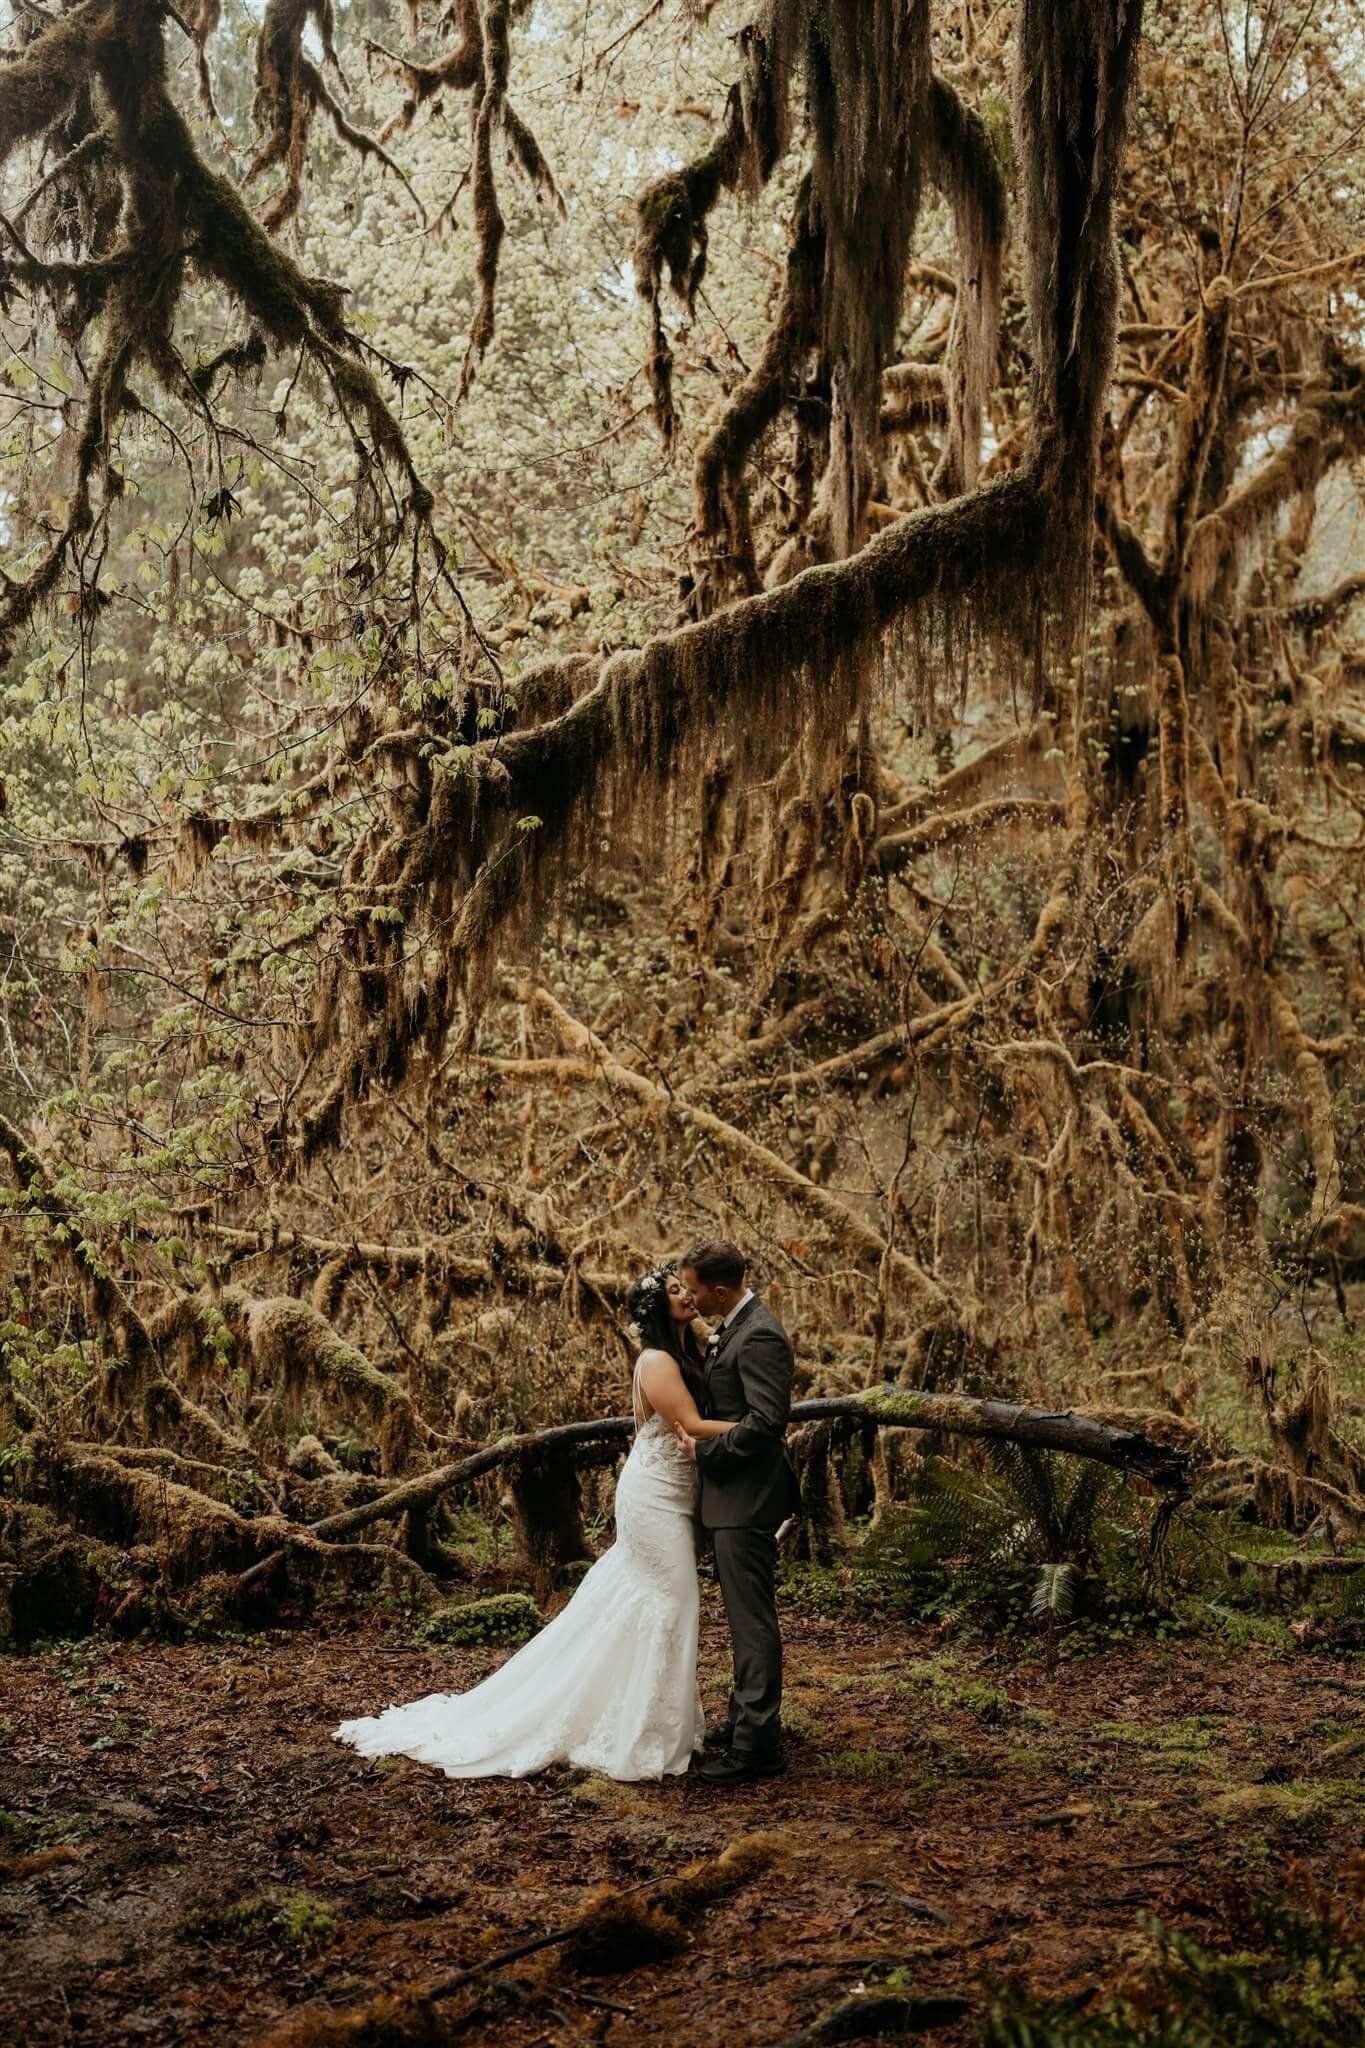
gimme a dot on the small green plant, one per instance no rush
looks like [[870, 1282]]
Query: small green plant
[[1186, 1745], [900, 1563], [816, 1588], [33, 1831], [1299, 1982], [1054, 1601], [990, 1703], [864, 1766], [502, 1618], [1029, 1534], [305, 1920], [239, 1917], [799, 1722], [300, 1918]]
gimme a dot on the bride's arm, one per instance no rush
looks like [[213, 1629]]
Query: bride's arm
[[666, 1391]]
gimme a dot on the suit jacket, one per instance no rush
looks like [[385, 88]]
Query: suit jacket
[[747, 1479]]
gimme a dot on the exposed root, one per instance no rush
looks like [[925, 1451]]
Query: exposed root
[[614, 1931]]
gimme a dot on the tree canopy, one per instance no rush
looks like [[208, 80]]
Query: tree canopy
[[617, 620]]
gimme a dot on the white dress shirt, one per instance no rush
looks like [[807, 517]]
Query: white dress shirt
[[726, 1321]]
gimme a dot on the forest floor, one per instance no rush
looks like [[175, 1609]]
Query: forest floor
[[185, 1856]]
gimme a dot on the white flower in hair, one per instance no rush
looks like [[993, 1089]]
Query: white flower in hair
[[644, 1295]]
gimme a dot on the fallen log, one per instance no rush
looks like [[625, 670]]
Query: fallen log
[[192, 1534], [878, 2015], [1276, 1576], [615, 1929], [890, 1407], [1083, 1436]]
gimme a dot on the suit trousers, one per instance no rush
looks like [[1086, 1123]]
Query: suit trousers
[[746, 1565]]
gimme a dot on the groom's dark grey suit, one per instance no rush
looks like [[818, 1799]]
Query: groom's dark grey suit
[[748, 1489]]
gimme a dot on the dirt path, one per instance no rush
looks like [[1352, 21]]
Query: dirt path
[[188, 1858]]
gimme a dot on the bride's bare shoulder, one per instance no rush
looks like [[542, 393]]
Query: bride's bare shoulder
[[657, 1371]]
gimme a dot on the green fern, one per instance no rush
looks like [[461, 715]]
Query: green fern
[[1054, 1592], [1054, 1601], [964, 1517], [1058, 1498], [1041, 1508], [1022, 1534], [1352, 1601], [1303, 1986]]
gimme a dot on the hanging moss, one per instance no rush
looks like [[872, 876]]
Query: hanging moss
[[290, 91], [294, 1350], [723, 564], [456, 71], [1073, 75], [821, 1532], [39, 84], [52, 1582], [963, 164], [671, 214], [504, 829], [175, 215], [188, 1534]]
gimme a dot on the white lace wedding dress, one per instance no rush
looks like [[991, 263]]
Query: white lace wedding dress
[[611, 1682]]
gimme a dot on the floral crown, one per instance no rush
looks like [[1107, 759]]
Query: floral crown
[[645, 1292]]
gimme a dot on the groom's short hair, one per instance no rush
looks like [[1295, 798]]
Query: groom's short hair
[[716, 1261]]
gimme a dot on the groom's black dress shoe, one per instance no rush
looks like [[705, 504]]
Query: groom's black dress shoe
[[738, 1766], [719, 1736]]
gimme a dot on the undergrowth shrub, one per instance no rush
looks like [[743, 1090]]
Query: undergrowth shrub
[[1299, 1982], [502, 1618], [1035, 1533]]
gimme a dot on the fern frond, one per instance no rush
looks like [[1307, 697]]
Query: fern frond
[[960, 1515], [1031, 1478], [1093, 1487], [1054, 1593]]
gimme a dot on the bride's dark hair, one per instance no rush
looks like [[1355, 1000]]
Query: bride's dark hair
[[647, 1307]]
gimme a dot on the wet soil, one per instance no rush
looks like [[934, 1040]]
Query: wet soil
[[186, 1856]]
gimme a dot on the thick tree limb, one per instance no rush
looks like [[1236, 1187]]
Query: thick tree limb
[[1013, 755], [590, 1060], [1328, 428], [464, 1275], [1124, 1450], [512, 817], [913, 395], [1310, 614], [898, 848], [1143, 577]]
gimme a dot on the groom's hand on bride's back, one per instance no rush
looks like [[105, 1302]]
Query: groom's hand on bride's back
[[689, 1443]]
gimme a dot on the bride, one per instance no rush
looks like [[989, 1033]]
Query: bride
[[611, 1682]]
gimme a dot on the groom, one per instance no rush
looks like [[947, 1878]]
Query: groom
[[748, 1489]]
